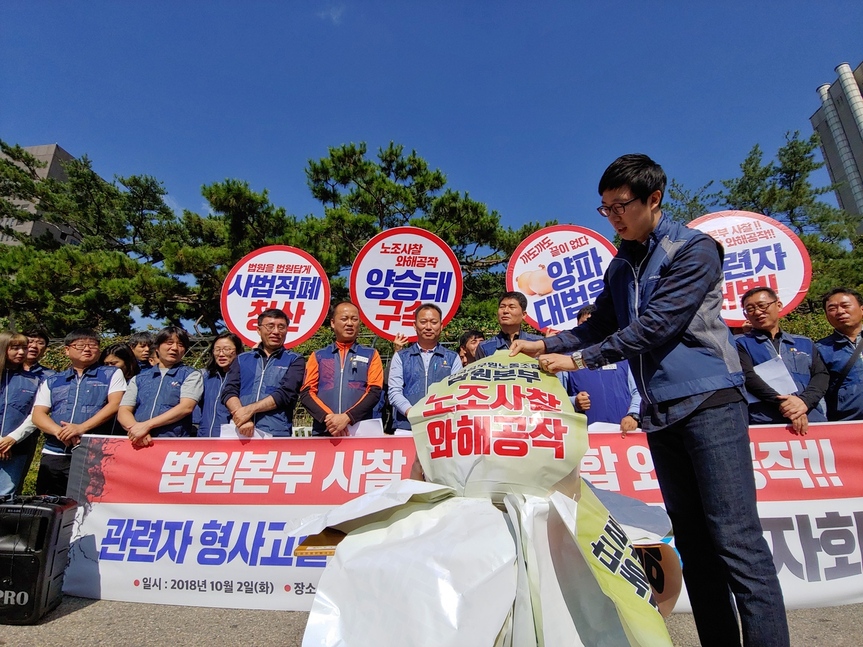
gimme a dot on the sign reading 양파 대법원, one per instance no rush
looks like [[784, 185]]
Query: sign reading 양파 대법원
[[280, 277], [759, 252], [559, 269], [398, 270]]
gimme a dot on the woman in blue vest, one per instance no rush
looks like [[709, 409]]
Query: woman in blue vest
[[223, 351], [160, 402], [17, 392]]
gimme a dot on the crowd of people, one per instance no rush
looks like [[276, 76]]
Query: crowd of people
[[661, 357]]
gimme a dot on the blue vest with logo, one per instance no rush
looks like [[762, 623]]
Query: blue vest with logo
[[499, 342], [159, 392], [844, 401], [796, 353], [702, 358], [17, 392], [214, 414], [338, 389], [608, 388], [417, 381], [77, 399], [259, 377]]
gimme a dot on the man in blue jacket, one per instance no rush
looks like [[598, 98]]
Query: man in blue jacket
[[844, 310], [767, 343], [510, 315], [262, 386], [661, 310], [417, 367], [82, 399]]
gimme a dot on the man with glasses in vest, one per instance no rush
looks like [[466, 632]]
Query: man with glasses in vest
[[795, 405], [82, 399], [262, 385]]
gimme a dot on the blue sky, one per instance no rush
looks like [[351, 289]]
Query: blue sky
[[522, 104]]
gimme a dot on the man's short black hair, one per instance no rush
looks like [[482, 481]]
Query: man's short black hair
[[140, 338], [427, 306], [38, 331], [170, 331], [518, 296], [468, 336], [637, 171], [589, 309], [841, 290], [756, 290], [273, 313], [79, 334]]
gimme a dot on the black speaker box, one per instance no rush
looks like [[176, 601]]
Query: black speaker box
[[35, 532]]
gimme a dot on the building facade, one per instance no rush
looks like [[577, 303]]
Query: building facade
[[54, 158], [839, 123]]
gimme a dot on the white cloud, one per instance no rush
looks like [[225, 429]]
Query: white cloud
[[333, 14]]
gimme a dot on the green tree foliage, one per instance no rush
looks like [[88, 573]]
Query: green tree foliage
[[362, 197], [206, 247], [783, 189], [115, 265]]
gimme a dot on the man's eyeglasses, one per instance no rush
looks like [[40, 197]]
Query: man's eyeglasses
[[85, 346], [272, 327], [752, 308], [618, 208]]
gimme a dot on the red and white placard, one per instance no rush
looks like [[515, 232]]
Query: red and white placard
[[759, 251], [559, 269], [280, 277], [398, 270]]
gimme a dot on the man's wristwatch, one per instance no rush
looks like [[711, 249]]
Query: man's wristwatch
[[576, 359], [635, 417]]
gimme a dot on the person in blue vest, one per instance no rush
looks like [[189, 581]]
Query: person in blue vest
[[17, 392], [223, 353], [37, 346], [767, 343], [262, 386], [414, 369], [343, 381], [142, 345], [159, 401], [27, 435], [843, 308], [82, 399], [661, 308], [510, 315]]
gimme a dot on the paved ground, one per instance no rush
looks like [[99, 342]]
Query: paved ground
[[79, 621]]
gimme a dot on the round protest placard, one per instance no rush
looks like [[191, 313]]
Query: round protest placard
[[281, 277], [559, 269], [759, 251], [398, 270]]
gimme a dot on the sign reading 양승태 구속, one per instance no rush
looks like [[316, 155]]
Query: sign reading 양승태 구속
[[559, 269], [759, 252], [280, 277], [398, 270]]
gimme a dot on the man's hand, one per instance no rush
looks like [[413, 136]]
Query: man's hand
[[792, 407], [627, 424], [69, 432], [400, 342], [144, 441], [246, 429], [337, 424], [799, 426], [6, 445], [138, 432], [241, 416], [555, 363], [532, 348], [582, 401]]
